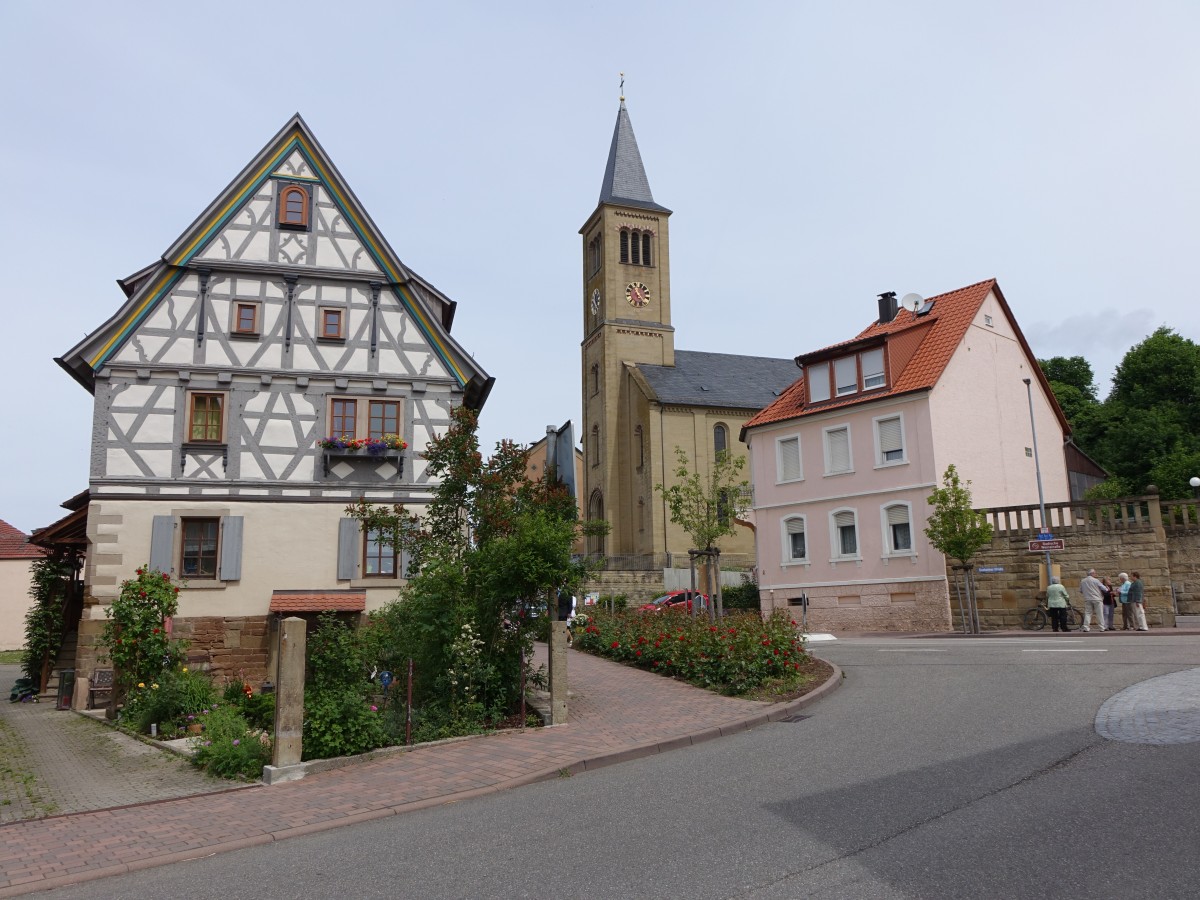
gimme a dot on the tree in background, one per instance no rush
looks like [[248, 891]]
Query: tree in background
[[706, 507], [1147, 431], [488, 550], [958, 531]]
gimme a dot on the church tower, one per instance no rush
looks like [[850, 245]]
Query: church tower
[[626, 306]]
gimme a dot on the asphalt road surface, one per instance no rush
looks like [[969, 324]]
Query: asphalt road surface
[[949, 767]]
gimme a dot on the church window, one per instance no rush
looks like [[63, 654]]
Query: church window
[[636, 248], [641, 514], [594, 446], [330, 324], [594, 255], [645, 248], [720, 439], [624, 245], [293, 207], [205, 419], [640, 449], [595, 379]]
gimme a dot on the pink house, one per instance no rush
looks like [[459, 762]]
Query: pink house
[[843, 461]]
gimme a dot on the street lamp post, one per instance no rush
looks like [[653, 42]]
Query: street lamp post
[[1037, 468], [1195, 483]]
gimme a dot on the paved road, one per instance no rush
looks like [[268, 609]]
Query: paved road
[[949, 767]]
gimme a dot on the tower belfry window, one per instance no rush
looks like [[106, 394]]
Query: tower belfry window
[[624, 245], [645, 248], [637, 250]]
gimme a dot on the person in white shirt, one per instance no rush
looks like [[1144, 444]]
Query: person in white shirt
[[1093, 600]]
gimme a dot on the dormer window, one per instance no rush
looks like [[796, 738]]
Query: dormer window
[[293, 207], [846, 375], [872, 369]]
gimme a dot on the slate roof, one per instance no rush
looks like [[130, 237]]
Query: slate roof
[[318, 601], [719, 379], [940, 332], [14, 544], [625, 180]]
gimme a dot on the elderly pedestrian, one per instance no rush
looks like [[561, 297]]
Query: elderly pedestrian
[[1108, 594], [1137, 599], [1123, 598], [1093, 600], [1057, 601]]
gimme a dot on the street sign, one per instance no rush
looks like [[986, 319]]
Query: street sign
[[1045, 536], [1042, 546], [989, 570]]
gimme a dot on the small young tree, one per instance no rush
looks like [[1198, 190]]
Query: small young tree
[[135, 635], [706, 507], [958, 531]]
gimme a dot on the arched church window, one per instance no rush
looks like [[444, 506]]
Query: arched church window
[[636, 248], [645, 248], [596, 512], [720, 439], [594, 446], [624, 245], [293, 207], [641, 514], [639, 450], [595, 378]]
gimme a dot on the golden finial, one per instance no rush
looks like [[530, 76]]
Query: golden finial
[[622, 87]]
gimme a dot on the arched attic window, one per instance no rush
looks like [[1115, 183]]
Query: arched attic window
[[293, 207]]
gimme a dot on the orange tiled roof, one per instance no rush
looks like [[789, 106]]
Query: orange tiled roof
[[318, 601], [945, 325], [14, 544]]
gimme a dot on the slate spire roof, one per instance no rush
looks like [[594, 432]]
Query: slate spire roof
[[625, 180]]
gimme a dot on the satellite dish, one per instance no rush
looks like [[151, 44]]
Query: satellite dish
[[912, 302]]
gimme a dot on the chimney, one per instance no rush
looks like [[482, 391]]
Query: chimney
[[887, 307]]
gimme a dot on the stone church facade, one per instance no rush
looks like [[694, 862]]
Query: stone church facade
[[642, 398]]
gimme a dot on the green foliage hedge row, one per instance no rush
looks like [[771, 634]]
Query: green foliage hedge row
[[740, 653]]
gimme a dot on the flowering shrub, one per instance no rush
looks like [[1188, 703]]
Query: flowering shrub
[[135, 636], [258, 709], [371, 445], [339, 718], [172, 702], [228, 746], [735, 656]]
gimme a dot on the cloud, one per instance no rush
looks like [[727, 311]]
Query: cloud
[[1102, 338]]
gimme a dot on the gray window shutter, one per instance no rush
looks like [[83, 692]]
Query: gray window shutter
[[162, 541], [347, 558], [839, 450], [789, 459], [897, 515], [891, 438], [231, 548], [405, 562]]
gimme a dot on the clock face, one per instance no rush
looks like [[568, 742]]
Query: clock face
[[596, 302], [637, 294]]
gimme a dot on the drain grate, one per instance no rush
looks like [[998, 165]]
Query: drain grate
[[796, 718]]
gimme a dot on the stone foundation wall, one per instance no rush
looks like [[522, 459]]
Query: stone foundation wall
[[228, 648], [912, 606], [1183, 556], [639, 586]]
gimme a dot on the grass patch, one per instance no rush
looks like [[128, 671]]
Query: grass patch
[[11, 657]]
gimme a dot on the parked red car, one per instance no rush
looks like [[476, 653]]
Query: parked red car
[[674, 600]]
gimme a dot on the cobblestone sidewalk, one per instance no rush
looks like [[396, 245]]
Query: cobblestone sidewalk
[[54, 762]]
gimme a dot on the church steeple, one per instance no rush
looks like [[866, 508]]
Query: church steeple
[[625, 180]]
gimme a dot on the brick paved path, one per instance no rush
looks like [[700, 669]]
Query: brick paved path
[[1162, 710], [54, 762], [616, 713]]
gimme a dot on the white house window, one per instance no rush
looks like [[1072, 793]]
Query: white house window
[[795, 546], [817, 376], [845, 373], [787, 451], [889, 443], [837, 451], [897, 528], [872, 369], [987, 320], [845, 534]]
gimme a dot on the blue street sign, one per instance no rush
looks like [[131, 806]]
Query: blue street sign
[[989, 570], [1045, 536]]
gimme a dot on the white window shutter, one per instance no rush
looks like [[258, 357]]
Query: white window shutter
[[789, 459], [897, 515], [891, 437], [839, 450]]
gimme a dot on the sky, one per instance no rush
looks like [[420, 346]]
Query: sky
[[814, 154]]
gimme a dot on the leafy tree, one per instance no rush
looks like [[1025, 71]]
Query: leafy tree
[[1071, 371], [954, 527], [705, 507], [1161, 371], [489, 547]]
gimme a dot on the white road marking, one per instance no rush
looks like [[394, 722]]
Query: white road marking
[[915, 650], [1064, 650]]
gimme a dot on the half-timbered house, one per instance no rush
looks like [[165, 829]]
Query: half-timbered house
[[280, 319]]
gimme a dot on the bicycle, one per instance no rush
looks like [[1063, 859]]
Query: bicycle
[[1036, 618]]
